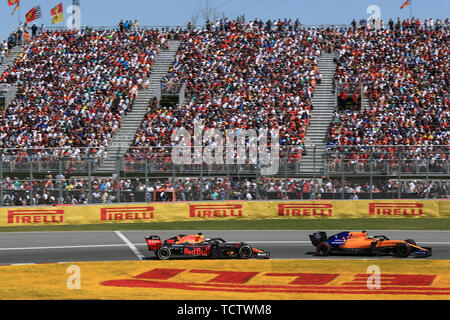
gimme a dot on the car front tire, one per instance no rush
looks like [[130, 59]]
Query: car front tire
[[402, 250], [245, 252]]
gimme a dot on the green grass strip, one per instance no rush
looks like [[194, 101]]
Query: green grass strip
[[278, 224]]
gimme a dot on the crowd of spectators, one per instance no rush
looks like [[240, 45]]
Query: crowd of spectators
[[403, 69], [60, 190], [239, 75], [74, 87]]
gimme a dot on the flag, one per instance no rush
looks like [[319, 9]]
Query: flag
[[57, 14], [57, 10], [13, 2], [58, 18], [33, 14], [405, 4], [16, 8]]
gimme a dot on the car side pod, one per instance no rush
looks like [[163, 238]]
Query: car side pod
[[153, 242]]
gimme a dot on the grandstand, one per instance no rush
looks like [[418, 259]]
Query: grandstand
[[361, 113]]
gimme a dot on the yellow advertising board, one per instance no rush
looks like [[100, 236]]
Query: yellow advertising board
[[241, 210]]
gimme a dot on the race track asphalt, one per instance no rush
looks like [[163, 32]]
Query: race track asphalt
[[60, 247]]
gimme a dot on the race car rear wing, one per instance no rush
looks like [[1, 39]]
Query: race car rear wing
[[153, 242], [318, 237]]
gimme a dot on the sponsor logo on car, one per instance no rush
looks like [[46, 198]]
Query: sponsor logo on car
[[395, 209], [284, 282], [35, 216], [215, 210], [127, 213], [305, 209], [150, 241], [196, 251]]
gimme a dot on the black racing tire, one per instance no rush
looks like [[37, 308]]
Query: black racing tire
[[323, 249], [402, 250], [410, 241], [245, 252], [163, 253]]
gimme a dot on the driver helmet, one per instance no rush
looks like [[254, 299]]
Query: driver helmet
[[200, 237]]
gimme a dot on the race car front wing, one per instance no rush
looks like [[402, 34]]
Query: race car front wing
[[261, 254]]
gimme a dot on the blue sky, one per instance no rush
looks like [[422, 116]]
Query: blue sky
[[179, 12]]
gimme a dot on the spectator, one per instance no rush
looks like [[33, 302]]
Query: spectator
[[2, 56], [34, 30]]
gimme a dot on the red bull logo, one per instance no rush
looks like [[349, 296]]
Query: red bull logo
[[217, 211], [396, 209], [35, 216], [196, 251], [130, 213], [305, 209]]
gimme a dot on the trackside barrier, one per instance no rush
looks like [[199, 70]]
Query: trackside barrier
[[240, 210]]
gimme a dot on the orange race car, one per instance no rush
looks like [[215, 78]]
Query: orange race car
[[361, 243]]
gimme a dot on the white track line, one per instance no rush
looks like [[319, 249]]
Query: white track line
[[130, 245], [64, 247]]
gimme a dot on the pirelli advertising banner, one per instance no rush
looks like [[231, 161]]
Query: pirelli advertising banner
[[244, 210]]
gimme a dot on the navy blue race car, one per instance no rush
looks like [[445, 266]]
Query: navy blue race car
[[198, 246]]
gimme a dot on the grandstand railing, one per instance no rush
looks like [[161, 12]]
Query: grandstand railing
[[349, 87], [116, 28], [185, 27], [54, 190], [388, 160], [389, 167], [169, 88], [337, 160], [64, 176]]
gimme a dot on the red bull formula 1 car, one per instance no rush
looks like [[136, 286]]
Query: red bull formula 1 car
[[198, 246], [361, 243]]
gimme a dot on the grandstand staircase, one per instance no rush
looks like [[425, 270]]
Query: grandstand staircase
[[365, 103], [123, 139], [324, 103], [9, 60]]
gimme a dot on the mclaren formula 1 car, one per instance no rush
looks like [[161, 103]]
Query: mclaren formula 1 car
[[198, 246], [361, 243]]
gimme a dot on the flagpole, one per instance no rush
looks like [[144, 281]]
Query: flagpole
[[410, 9], [42, 18]]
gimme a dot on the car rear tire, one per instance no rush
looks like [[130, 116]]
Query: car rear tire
[[163, 253], [323, 249], [245, 252], [402, 250]]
